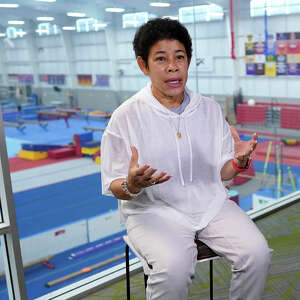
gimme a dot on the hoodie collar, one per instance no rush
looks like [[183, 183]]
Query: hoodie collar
[[164, 111]]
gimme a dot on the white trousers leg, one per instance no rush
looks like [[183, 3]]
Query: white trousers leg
[[169, 248], [233, 235]]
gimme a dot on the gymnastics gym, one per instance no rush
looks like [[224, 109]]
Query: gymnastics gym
[[65, 67]]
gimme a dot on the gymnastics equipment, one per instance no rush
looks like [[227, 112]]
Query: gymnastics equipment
[[99, 113], [42, 260], [16, 125], [93, 129], [84, 270], [40, 147], [32, 155], [89, 151], [97, 157], [55, 115], [95, 248], [85, 144], [291, 178], [42, 124], [62, 152], [267, 158], [97, 160], [278, 171], [204, 254]]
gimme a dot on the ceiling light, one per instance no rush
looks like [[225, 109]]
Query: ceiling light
[[45, 19], [69, 28], [49, 1], [10, 5], [2, 35], [75, 14], [114, 9], [160, 4], [21, 33], [100, 25], [16, 22], [42, 31]]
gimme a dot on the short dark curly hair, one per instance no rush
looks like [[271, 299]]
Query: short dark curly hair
[[160, 29]]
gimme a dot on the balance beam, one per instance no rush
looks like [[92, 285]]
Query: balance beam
[[84, 270], [56, 115], [16, 125], [42, 124], [93, 129], [34, 262]]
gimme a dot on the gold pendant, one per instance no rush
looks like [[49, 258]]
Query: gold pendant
[[179, 134]]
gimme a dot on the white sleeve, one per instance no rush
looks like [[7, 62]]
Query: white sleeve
[[227, 152], [114, 160]]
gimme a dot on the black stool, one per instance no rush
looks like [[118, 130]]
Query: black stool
[[204, 254]]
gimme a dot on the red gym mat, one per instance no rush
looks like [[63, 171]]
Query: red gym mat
[[18, 164]]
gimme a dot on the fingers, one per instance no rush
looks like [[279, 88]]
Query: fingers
[[234, 134], [134, 157]]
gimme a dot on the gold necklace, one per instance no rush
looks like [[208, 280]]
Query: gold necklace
[[178, 129]]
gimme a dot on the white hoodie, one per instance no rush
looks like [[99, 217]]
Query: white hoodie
[[195, 192]]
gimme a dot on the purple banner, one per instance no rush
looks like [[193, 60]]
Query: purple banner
[[281, 68], [25, 78], [250, 69], [293, 69], [102, 80], [282, 36]]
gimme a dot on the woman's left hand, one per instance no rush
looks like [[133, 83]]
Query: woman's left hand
[[243, 149]]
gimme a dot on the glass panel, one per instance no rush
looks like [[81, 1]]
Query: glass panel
[[59, 93], [3, 286]]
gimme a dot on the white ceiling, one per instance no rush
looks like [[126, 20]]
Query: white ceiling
[[29, 10]]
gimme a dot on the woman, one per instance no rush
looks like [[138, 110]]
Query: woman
[[165, 153]]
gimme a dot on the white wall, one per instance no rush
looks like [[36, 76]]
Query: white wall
[[90, 55]]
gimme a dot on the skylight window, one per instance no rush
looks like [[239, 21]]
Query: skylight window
[[274, 7], [89, 24], [13, 32], [136, 19], [47, 29], [201, 13]]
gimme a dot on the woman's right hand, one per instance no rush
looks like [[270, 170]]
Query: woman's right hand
[[141, 177]]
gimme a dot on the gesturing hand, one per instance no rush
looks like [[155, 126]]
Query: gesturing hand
[[141, 177], [243, 149]]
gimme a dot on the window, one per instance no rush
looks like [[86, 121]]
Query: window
[[200, 13], [13, 32], [135, 19], [274, 7], [89, 24]]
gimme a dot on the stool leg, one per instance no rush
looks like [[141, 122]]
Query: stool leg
[[127, 272], [211, 283], [145, 280]]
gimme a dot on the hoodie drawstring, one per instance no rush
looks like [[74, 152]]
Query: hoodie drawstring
[[191, 151]]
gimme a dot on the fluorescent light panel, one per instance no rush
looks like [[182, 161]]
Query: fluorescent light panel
[[49, 19], [2, 35], [100, 25], [114, 9], [15, 22], [160, 4], [69, 28], [9, 5], [48, 1], [76, 14]]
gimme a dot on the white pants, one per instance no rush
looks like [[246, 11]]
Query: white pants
[[170, 250]]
